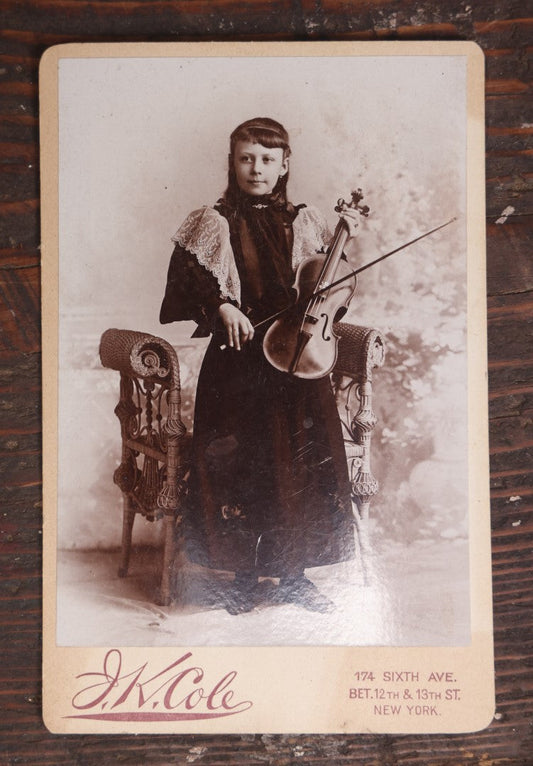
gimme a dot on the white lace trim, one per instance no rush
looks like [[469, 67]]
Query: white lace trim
[[205, 234]]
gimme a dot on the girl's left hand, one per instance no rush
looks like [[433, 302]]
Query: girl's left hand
[[351, 219]]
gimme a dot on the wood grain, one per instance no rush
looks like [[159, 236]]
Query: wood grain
[[501, 29]]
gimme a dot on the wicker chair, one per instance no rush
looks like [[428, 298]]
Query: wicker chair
[[156, 446]]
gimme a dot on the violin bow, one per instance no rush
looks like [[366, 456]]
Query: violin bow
[[356, 272]]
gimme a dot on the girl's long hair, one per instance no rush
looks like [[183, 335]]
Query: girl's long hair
[[269, 133]]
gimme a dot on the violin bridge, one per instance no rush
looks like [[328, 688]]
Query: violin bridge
[[310, 318]]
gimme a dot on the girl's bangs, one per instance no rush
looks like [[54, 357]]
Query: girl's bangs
[[269, 138]]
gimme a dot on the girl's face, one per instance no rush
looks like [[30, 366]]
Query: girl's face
[[257, 168]]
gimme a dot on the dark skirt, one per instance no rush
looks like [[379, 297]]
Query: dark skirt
[[269, 487]]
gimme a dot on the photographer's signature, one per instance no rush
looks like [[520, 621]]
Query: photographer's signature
[[180, 691]]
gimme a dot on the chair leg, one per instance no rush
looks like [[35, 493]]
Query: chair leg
[[168, 560], [364, 514], [128, 517], [360, 514]]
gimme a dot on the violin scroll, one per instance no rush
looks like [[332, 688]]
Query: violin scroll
[[357, 196]]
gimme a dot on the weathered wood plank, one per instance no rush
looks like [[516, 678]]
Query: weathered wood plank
[[505, 36], [510, 267], [20, 310]]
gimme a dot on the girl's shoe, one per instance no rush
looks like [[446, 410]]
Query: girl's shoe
[[241, 596], [301, 591]]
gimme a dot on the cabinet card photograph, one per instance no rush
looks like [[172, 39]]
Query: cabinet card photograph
[[264, 372]]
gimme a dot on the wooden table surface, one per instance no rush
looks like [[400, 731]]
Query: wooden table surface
[[505, 34]]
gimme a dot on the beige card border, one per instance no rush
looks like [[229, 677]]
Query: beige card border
[[278, 690]]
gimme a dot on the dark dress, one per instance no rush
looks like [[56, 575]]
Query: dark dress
[[269, 488]]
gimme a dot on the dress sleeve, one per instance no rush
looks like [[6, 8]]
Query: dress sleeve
[[202, 273], [192, 292]]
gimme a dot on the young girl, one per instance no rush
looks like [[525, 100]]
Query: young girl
[[268, 493]]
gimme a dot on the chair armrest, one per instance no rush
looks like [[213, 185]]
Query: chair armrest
[[360, 350], [139, 354]]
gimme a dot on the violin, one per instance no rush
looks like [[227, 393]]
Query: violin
[[302, 341]]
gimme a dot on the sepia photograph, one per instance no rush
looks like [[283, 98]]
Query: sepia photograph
[[262, 351]]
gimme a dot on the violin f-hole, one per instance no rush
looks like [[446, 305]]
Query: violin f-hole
[[325, 327]]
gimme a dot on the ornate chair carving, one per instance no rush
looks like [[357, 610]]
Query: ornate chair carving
[[361, 350], [156, 446]]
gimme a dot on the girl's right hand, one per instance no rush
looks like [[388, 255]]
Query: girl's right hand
[[239, 329]]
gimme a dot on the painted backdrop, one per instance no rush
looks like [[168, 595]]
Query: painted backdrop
[[143, 141]]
